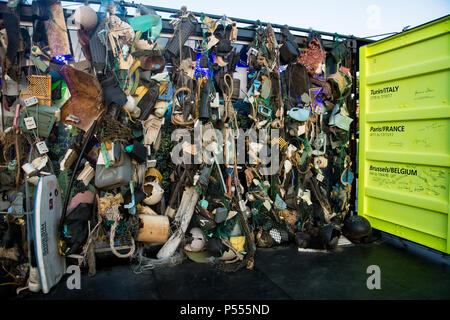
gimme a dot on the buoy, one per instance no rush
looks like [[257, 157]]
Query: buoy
[[153, 228], [86, 17]]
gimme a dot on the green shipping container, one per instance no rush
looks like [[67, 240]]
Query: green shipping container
[[404, 157]]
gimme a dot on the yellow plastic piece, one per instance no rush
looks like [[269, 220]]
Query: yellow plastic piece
[[238, 243], [152, 172]]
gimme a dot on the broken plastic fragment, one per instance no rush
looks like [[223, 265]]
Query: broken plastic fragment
[[72, 118], [87, 174], [342, 122], [147, 22], [279, 203], [40, 162], [154, 193], [299, 114], [29, 169], [69, 158], [33, 180]]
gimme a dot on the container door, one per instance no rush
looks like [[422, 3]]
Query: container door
[[405, 134]]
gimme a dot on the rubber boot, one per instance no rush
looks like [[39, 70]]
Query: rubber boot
[[34, 285]]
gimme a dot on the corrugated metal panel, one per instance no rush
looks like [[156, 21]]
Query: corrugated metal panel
[[405, 134]]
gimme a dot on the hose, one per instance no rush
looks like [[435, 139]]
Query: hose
[[75, 169]]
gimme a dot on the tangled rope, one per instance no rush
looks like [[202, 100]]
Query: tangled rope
[[173, 119], [114, 215]]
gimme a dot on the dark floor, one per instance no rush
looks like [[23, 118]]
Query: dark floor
[[279, 274]]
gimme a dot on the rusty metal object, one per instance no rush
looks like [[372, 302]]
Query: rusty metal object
[[58, 39], [86, 101], [83, 39]]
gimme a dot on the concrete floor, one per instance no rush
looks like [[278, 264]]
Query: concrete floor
[[279, 274]]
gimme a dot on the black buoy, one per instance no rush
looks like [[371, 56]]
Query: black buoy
[[302, 239], [357, 229], [329, 236], [215, 247]]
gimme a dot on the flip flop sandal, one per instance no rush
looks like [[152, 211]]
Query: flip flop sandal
[[148, 101]]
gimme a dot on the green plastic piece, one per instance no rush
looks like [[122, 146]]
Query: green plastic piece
[[136, 82], [45, 122], [65, 94], [147, 22], [39, 63], [12, 165], [129, 148], [105, 154]]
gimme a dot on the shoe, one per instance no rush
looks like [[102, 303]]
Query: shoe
[[34, 285]]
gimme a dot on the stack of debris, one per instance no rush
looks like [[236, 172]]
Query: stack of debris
[[193, 148]]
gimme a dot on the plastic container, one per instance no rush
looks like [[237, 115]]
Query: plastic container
[[153, 228], [114, 176]]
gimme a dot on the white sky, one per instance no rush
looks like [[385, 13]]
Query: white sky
[[350, 17]]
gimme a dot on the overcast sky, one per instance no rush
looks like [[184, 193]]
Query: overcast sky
[[350, 17]]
